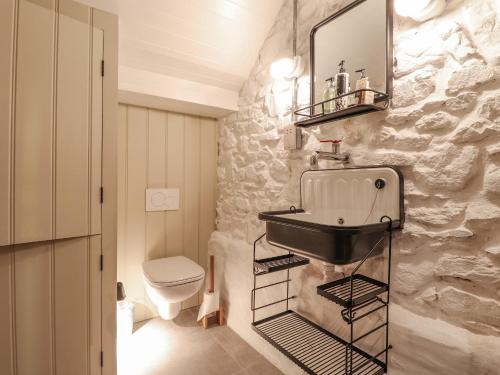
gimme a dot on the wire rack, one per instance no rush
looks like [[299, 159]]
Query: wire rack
[[363, 289], [314, 349], [278, 263]]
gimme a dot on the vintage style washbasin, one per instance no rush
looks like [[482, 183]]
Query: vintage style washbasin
[[339, 219]]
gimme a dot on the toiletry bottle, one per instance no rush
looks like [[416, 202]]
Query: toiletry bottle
[[364, 97], [342, 86], [329, 93], [351, 99]]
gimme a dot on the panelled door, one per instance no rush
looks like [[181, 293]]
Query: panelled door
[[51, 115]]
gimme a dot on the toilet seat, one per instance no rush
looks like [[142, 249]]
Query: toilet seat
[[172, 271]]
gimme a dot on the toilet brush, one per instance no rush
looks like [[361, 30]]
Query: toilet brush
[[211, 303]]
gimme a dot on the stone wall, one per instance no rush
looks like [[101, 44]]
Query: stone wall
[[442, 130]]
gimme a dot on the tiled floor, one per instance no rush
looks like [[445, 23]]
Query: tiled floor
[[183, 347]]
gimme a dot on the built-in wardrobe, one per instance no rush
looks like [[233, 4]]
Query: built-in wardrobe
[[58, 83]]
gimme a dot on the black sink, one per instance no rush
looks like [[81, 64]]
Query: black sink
[[312, 231]]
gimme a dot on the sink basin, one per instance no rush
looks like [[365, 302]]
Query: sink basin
[[339, 219]]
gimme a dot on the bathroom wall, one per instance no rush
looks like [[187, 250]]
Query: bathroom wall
[[159, 149], [442, 130]]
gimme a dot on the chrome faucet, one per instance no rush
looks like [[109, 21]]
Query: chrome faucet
[[335, 154]]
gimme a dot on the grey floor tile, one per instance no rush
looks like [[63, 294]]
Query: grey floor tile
[[183, 347]]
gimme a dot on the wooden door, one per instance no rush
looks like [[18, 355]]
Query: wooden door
[[51, 141]]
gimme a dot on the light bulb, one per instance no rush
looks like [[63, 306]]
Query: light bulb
[[286, 68], [420, 10], [407, 8]]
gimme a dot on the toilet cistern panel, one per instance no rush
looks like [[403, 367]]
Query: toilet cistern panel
[[162, 199]]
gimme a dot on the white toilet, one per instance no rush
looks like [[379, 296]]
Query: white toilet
[[169, 281]]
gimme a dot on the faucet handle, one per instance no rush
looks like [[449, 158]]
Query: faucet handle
[[335, 144]]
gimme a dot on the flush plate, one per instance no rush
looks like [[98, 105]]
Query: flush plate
[[162, 199]]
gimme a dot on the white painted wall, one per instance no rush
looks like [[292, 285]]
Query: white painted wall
[[141, 87], [443, 131]]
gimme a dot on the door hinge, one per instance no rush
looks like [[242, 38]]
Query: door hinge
[[102, 359], [101, 262], [101, 194], [102, 68]]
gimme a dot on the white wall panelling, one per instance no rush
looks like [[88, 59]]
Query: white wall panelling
[[159, 149]]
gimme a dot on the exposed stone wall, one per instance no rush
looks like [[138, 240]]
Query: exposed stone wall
[[442, 130]]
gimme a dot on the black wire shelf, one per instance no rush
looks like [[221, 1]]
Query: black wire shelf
[[314, 349], [317, 113], [364, 289], [278, 263]]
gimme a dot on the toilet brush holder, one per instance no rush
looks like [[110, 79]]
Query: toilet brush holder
[[211, 301]]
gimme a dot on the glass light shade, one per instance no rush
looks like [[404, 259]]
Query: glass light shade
[[285, 68], [420, 10], [408, 8]]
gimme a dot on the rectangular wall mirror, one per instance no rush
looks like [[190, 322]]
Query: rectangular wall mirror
[[361, 35]]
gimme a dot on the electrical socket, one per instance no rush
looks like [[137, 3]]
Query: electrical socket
[[292, 137]]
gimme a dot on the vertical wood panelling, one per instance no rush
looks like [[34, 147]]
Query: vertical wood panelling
[[122, 195], [33, 199], [191, 196], [72, 303], [51, 157], [159, 149], [6, 321], [7, 15], [155, 221], [136, 216], [155, 225], [72, 130], [208, 183], [33, 306], [96, 131], [109, 23], [95, 305], [175, 179]]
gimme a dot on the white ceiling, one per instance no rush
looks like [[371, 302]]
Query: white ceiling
[[215, 42]]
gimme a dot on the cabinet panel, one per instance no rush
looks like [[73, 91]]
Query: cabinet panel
[[72, 130], [72, 303], [7, 38], [34, 129], [96, 131], [95, 305], [34, 309], [6, 309], [122, 194]]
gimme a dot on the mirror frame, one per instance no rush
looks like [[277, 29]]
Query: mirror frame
[[388, 45]]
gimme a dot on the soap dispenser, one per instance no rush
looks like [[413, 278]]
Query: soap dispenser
[[342, 86], [328, 94], [364, 97]]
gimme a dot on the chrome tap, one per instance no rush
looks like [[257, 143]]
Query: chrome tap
[[335, 154]]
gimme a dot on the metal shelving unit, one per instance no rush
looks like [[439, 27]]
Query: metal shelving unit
[[316, 114], [314, 349]]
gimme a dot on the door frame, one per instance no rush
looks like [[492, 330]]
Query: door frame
[[109, 24]]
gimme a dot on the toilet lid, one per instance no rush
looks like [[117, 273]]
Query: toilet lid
[[172, 271]]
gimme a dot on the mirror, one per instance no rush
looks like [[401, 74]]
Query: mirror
[[361, 35]]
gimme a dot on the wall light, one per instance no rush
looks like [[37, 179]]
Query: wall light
[[420, 10], [286, 68]]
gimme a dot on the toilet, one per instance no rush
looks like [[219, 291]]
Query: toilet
[[171, 280]]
